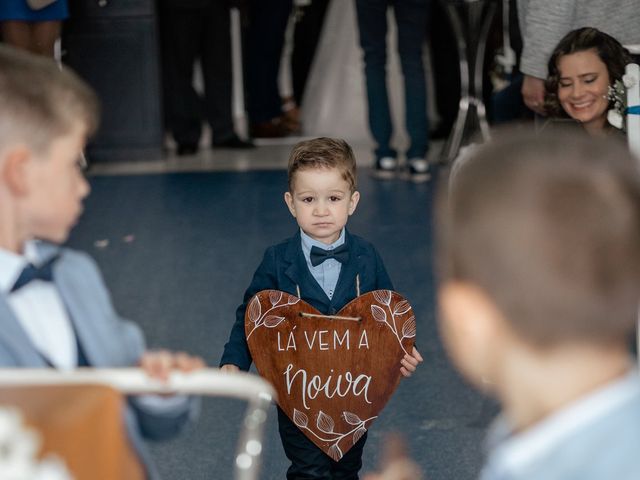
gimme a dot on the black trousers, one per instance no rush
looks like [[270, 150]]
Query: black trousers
[[445, 65], [305, 42], [265, 40], [188, 34], [309, 462]]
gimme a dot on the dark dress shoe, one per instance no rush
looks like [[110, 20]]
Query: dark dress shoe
[[187, 149], [233, 142], [274, 128]]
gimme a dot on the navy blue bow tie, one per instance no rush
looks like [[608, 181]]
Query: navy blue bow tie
[[31, 272], [319, 255]]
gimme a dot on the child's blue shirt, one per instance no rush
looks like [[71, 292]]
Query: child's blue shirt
[[327, 273]]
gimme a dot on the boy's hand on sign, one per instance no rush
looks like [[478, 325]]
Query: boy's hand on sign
[[229, 368], [410, 362], [158, 364]]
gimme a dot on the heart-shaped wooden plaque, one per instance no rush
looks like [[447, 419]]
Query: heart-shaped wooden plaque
[[333, 374]]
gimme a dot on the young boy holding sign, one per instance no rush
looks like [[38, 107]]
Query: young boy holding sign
[[324, 265]]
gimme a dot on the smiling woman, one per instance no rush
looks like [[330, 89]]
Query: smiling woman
[[582, 67]]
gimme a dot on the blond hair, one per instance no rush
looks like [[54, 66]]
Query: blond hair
[[40, 101]]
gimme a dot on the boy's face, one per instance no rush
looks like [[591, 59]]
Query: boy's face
[[472, 331], [321, 202], [56, 188]]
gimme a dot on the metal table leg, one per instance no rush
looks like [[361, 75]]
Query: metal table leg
[[471, 40]]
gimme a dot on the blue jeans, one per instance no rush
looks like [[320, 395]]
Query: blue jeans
[[411, 20]]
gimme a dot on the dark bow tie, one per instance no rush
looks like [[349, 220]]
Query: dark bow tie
[[31, 272], [319, 255]]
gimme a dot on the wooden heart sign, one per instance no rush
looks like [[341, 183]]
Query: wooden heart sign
[[333, 373]]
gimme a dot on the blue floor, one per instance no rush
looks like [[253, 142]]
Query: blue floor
[[177, 252]]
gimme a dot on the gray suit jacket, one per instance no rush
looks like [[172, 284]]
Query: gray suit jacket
[[106, 339], [605, 448], [543, 23]]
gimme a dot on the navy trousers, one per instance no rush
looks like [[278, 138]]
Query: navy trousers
[[309, 462]]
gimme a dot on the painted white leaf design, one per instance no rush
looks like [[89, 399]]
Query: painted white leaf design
[[335, 453], [382, 296], [357, 435], [299, 418], [274, 297], [254, 309], [325, 423], [272, 321], [409, 328], [378, 314], [292, 300], [351, 418], [401, 307]]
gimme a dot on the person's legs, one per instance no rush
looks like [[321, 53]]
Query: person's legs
[[372, 26], [216, 69], [44, 36], [307, 460], [351, 463], [268, 22], [445, 68], [411, 18], [17, 34], [181, 30], [305, 42]]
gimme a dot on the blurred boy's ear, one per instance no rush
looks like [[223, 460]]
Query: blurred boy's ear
[[353, 202], [288, 199], [470, 324], [13, 170]]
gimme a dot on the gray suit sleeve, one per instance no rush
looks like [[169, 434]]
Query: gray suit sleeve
[[124, 342], [122, 339], [164, 423], [543, 23]]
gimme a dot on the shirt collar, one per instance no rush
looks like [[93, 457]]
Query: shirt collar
[[512, 453], [308, 242], [12, 264]]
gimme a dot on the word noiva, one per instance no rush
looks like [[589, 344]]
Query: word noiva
[[342, 385]]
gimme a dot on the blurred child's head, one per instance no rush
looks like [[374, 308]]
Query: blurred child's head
[[322, 187], [40, 102], [46, 116], [540, 236]]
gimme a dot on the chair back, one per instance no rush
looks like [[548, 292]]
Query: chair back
[[209, 382]]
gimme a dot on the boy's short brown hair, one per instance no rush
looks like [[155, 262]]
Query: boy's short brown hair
[[549, 228], [324, 153], [40, 102]]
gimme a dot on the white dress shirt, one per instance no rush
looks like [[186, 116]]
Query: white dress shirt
[[328, 272], [39, 309], [43, 316]]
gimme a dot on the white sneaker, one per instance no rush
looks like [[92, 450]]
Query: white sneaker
[[419, 169], [386, 167]]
